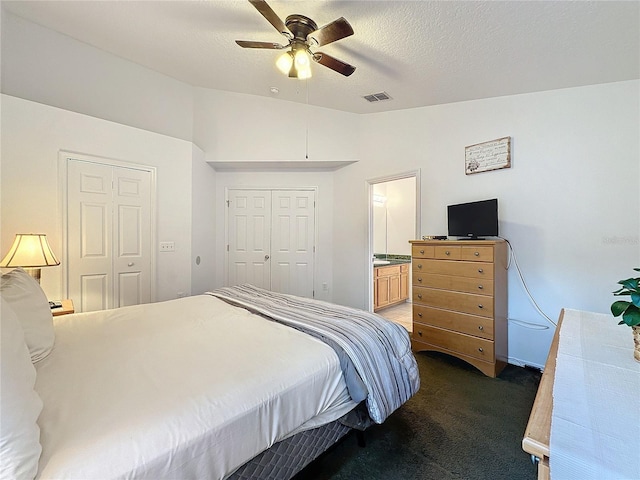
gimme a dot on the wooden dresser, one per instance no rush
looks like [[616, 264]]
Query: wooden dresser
[[460, 300]]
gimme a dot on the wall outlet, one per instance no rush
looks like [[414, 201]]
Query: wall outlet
[[167, 246], [325, 286]]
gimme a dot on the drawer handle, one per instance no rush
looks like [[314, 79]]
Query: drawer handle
[[447, 252], [480, 306], [422, 251], [477, 254], [480, 287], [420, 279], [419, 333], [419, 265], [420, 315], [480, 327], [480, 270], [420, 296], [480, 350]]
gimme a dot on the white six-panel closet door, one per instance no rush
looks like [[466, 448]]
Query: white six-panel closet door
[[108, 235], [271, 238]]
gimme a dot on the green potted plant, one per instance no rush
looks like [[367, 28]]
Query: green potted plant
[[630, 311]]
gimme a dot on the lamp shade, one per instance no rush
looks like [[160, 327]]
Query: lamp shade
[[30, 250]]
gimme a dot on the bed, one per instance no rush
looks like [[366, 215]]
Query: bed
[[211, 386]]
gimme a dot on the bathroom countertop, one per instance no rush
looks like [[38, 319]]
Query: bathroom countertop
[[394, 260]]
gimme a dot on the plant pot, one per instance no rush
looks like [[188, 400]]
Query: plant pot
[[636, 342]]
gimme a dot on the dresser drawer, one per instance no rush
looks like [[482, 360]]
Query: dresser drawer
[[455, 301], [447, 252], [422, 251], [458, 269], [480, 286], [455, 342], [459, 322], [477, 254]]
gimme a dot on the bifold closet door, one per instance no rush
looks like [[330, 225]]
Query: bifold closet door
[[249, 230], [293, 233], [132, 236], [108, 235], [271, 239]]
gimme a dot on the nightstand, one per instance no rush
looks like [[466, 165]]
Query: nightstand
[[65, 309]]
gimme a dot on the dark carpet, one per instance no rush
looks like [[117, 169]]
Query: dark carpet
[[460, 425]]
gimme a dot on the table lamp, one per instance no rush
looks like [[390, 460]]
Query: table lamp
[[30, 251]]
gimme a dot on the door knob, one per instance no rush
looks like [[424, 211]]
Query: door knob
[[266, 257], [130, 264]]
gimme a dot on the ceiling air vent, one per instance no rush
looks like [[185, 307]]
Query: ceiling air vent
[[377, 97]]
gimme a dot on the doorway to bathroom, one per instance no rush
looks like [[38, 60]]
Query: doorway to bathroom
[[394, 219]]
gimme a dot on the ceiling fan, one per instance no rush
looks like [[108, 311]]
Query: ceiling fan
[[303, 34]]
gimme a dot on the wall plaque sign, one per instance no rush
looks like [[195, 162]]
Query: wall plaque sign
[[491, 155]]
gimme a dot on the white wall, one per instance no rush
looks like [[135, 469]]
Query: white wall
[[32, 136], [47, 67], [569, 205], [380, 220], [203, 240], [401, 215], [324, 203], [394, 223], [236, 127]]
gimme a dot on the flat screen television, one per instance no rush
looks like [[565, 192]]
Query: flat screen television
[[473, 220]]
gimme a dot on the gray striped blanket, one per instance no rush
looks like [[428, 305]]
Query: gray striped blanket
[[375, 354]]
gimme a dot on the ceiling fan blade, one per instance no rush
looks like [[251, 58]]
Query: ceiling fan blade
[[334, 64], [271, 16], [267, 45], [331, 32]]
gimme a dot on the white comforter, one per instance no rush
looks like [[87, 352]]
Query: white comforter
[[189, 388]]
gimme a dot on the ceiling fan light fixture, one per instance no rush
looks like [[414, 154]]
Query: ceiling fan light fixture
[[302, 33], [295, 64], [285, 62], [302, 63], [301, 58], [304, 73]]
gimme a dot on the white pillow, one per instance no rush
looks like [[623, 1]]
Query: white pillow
[[24, 295], [20, 405]]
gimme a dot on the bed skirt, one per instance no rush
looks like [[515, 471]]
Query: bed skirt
[[286, 458]]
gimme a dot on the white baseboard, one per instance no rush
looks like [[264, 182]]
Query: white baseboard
[[521, 363]]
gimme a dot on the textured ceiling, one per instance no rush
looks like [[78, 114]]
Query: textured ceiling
[[419, 52]]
